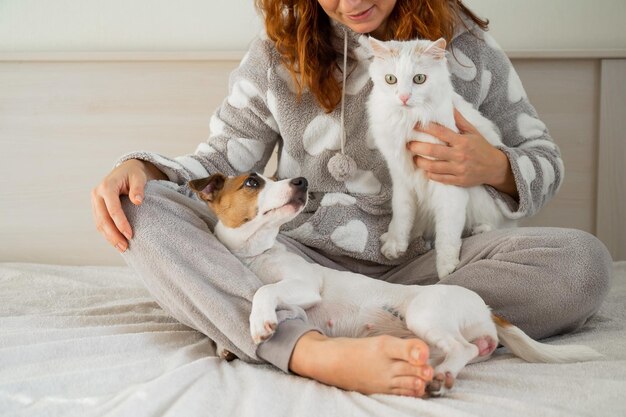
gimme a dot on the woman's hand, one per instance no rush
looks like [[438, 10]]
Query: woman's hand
[[129, 178], [467, 160]]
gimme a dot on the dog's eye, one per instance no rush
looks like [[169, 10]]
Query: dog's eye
[[251, 182]]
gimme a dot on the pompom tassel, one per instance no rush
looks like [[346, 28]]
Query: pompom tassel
[[341, 167]]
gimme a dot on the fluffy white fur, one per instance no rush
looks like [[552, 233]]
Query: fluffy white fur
[[454, 321], [398, 102]]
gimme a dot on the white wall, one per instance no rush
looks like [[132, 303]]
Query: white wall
[[555, 24], [126, 25], [200, 25]]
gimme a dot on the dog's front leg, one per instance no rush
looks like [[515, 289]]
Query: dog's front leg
[[263, 319]]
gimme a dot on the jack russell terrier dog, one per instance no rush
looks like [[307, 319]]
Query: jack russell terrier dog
[[455, 322]]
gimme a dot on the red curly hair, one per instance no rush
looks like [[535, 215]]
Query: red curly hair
[[302, 31]]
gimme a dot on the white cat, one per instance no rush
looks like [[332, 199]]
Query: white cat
[[412, 85]]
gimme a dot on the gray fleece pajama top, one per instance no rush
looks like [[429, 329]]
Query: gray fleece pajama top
[[348, 217]]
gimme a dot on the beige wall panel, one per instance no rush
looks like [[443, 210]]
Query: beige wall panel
[[612, 149], [63, 124], [565, 94]]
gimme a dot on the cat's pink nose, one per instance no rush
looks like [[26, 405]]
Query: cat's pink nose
[[404, 98]]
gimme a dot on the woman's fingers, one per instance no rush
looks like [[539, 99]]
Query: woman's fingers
[[462, 123], [442, 133], [435, 166], [136, 185], [116, 213], [466, 158], [128, 178], [135, 193], [431, 150], [105, 224]]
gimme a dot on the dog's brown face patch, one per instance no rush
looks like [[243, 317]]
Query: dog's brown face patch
[[237, 202]]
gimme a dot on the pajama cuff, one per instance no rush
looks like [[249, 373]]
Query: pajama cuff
[[278, 349]]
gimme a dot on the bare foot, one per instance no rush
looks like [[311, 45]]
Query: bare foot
[[371, 365]]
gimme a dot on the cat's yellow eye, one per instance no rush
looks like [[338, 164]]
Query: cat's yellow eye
[[391, 79], [419, 79]]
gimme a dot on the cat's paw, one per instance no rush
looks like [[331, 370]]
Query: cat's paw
[[447, 257], [262, 325], [481, 228], [392, 246], [446, 264]]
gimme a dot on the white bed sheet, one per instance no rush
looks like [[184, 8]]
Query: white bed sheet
[[90, 341]]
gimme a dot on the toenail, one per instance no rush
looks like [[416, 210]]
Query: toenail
[[427, 373], [415, 354]]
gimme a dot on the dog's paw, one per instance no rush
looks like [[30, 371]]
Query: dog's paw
[[263, 326], [392, 246], [446, 264], [440, 384], [481, 228]]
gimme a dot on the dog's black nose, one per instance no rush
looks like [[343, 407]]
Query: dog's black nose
[[300, 182]]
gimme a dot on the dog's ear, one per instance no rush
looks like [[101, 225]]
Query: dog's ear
[[208, 188]]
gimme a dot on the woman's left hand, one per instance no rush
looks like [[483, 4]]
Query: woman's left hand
[[467, 160]]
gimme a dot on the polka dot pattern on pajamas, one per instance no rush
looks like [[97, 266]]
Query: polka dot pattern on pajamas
[[262, 110]]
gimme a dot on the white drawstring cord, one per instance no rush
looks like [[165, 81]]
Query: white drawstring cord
[[341, 166], [343, 90]]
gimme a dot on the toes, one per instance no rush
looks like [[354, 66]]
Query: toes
[[405, 369], [404, 392], [449, 380], [415, 386], [408, 382], [418, 352], [413, 351], [426, 373]]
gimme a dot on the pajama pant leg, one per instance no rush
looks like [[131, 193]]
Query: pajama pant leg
[[544, 280], [195, 278]]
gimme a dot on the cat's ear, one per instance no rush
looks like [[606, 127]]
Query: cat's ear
[[437, 50], [379, 49]]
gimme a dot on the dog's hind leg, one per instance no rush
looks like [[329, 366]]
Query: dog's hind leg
[[439, 328], [263, 319], [457, 353]]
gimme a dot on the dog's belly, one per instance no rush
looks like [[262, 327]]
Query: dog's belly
[[341, 319]]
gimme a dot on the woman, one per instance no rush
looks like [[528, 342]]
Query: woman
[[288, 90]]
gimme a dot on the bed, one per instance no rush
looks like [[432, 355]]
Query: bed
[[90, 341]]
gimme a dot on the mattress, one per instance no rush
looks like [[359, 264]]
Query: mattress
[[90, 341]]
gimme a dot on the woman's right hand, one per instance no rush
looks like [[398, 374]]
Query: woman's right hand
[[128, 178]]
